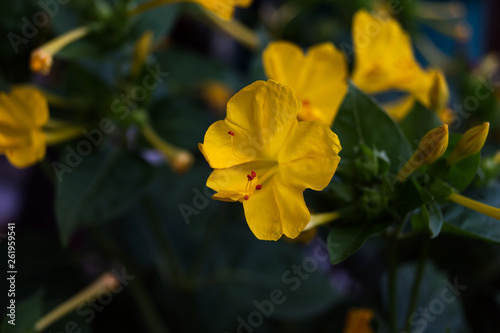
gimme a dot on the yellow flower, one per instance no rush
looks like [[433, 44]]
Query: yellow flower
[[224, 9], [263, 157], [430, 148], [358, 321], [385, 61], [470, 143], [319, 77], [384, 55], [23, 112]]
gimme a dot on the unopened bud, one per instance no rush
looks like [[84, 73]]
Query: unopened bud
[[470, 143], [431, 147], [439, 93]]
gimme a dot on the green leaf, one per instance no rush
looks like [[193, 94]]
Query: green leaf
[[345, 241], [461, 174], [418, 122], [436, 292], [469, 223], [188, 69], [435, 219], [361, 121], [27, 312], [408, 196], [161, 20], [103, 186]]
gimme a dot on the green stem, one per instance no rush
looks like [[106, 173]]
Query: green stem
[[417, 282], [166, 249], [141, 296], [393, 263]]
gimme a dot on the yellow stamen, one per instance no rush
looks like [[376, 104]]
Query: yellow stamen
[[42, 57], [475, 205], [107, 281]]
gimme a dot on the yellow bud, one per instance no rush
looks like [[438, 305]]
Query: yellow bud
[[430, 148], [41, 61], [42, 58], [470, 143], [142, 49], [439, 93]]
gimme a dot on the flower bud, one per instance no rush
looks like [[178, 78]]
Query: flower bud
[[42, 57], [439, 93], [470, 143], [431, 147]]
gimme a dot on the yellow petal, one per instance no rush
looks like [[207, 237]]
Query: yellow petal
[[283, 62], [276, 209], [310, 157], [358, 321], [23, 108], [25, 156], [231, 184], [223, 8], [319, 77], [384, 55], [261, 117]]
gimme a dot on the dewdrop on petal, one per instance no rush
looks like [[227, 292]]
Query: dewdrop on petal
[[470, 143], [431, 147]]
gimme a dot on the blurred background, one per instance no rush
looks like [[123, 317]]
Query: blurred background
[[231, 273]]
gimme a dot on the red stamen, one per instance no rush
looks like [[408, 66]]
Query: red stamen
[[249, 177], [306, 103], [254, 174], [230, 133], [258, 187], [246, 197]]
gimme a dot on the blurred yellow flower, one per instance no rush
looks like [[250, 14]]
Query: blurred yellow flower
[[263, 157], [23, 112], [385, 61], [224, 9], [358, 321], [319, 77], [216, 94]]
